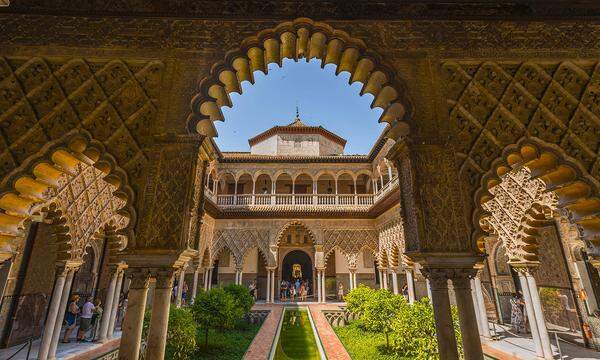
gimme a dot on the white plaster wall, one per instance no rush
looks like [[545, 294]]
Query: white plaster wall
[[341, 265], [265, 147], [251, 261], [297, 144]]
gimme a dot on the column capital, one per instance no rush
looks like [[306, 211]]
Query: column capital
[[164, 278], [139, 278], [271, 268]]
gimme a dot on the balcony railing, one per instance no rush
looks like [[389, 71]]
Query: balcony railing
[[300, 201]]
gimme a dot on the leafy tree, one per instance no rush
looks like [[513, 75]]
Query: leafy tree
[[214, 309], [181, 336], [415, 333], [242, 298], [357, 299], [381, 310]]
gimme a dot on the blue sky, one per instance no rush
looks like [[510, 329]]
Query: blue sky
[[322, 97]]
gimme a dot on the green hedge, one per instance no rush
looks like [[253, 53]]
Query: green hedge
[[408, 330]]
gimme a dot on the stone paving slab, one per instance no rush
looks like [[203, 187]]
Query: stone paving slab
[[334, 349], [263, 341]]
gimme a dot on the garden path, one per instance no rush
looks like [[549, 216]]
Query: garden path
[[331, 343], [263, 341]]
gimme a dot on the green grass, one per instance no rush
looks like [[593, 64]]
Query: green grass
[[296, 340], [363, 345], [227, 344]]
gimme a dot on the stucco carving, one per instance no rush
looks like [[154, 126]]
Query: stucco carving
[[239, 241]]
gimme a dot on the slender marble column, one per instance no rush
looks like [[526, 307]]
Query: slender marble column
[[157, 334], [395, 282], [108, 306], [476, 305], [466, 310], [539, 316], [428, 285], [51, 318], [129, 348], [380, 279], [241, 273], [410, 286], [323, 288], [535, 334], [385, 279], [485, 327], [438, 283], [318, 286], [350, 284], [64, 300], [273, 285], [115, 306], [195, 286], [180, 287], [268, 299]]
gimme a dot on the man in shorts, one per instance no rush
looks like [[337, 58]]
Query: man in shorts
[[85, 323]]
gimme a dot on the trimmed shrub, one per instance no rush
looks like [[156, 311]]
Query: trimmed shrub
[[242, 298], [181, 337], [214, 309], [381, 310], [357, 299]]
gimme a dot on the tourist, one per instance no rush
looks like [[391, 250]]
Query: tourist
[[184, 294], [297, 285], [517, 318], [340, 294], [404, 291], [292, 293], [283, 290], [252, 289], [174, 293], [302, 292], [71, 317], [85, 322], [122, 308], [96, 318]]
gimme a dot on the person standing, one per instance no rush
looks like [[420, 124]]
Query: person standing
[[71, 317], [517, 316], [340, 294], [96, 318], [86, 319]]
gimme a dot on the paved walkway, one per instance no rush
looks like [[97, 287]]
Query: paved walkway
[[509, 346], [331, 343], [70, 351], [263, 341]]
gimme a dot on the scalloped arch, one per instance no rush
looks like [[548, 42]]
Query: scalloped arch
[[301, 39], [575, 190], [291, 224], [40, 185]]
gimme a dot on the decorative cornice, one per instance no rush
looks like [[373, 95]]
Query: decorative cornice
[[329, 9]]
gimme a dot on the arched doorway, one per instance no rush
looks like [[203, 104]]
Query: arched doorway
[[296, 264]]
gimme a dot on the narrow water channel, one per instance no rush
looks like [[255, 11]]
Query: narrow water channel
[[296, 339]]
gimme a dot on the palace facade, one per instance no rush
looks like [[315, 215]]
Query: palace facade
[[485, 182]]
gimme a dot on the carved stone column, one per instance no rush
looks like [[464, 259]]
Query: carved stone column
[[108, 304], [180, 286], [115, 304], [394, 274], [461, 280], [53, 309], [131, 337], [157, 334], [533, 324], [195, 285], [438, 280], [64, 300], [478, 290]]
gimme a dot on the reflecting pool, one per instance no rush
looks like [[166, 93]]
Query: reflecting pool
[[296, 339]]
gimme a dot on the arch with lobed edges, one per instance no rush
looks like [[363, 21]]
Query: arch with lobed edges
[[301, 39], [33, 188], [575, 190], [291, 224]]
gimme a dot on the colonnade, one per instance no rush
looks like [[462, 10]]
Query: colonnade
[[56, 312]]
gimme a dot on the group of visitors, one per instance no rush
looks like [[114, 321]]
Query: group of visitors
[[294, 290], [88, 317], [184, 294]]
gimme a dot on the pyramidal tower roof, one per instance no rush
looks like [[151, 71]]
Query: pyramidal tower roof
[[297, 126]]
